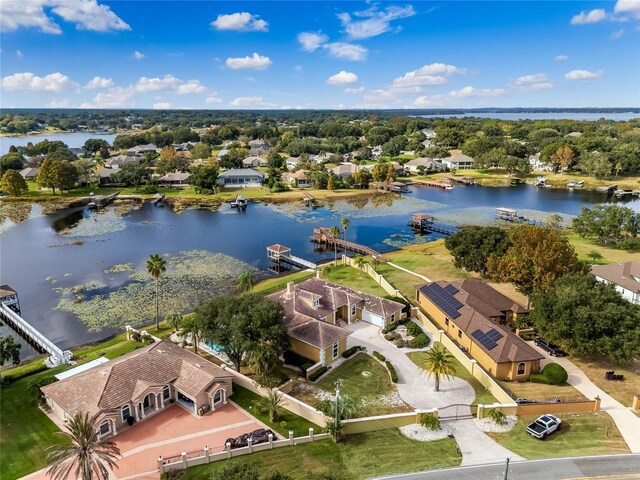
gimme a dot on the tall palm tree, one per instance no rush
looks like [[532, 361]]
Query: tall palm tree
[[191, 326], [359, 262], [173, 320], [270, 404], [156, 266], [334, 232], [245, 282], [439, 363], [345, 222], [85, 456]]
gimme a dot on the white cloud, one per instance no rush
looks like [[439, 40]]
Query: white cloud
[[593, 16], [212, 98], [311, 41], [162, 106], [240, 22], [251, 102], [347, 51], [99, 82], [432, 74], [469, 91], [191, 86], [298, 68], [166, 83], [116, 97], [342, 78], [561, 58], [425, 101], [354, 90], [28, 82], [629, 7], [255, 61], [138, 55], [583, 75], [372, 22], [540, 86], [617, 34], [59, 103], [19, 54], [85, 14], [529, 79]]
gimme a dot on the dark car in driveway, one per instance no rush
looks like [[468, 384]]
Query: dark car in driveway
[[549, 347]]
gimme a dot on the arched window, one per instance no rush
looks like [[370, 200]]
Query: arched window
[[521, 368], [105, 428], [217, 397], [126, 412], [166, 392]]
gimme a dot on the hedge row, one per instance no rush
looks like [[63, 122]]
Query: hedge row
[[392, 371], [349, 352], [317, 374], [379, 356]]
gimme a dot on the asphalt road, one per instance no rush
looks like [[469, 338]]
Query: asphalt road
[[609, 467]]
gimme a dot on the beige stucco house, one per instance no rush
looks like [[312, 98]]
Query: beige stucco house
[[139, 385]]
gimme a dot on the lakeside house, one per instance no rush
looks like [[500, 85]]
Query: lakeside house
[[29, 174], [119, 161], [299, 178], [292, 162], [343, 170], [241, 178], [624, 276], [315, 308], [476, 316], [140, 150], [425, 162], [254, 162], [323, 158], [176, 179], [458, 162], [138, 385], [539, 165]]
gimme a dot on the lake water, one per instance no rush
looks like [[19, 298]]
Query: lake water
[[72, 139], [618, 117], [41, 261]]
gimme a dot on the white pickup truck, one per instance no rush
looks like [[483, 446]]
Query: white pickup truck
[[543, 426]]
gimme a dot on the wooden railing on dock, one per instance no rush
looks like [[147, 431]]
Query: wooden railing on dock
[[322, 236], [425, 183]]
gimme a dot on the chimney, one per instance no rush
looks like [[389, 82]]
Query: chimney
[[290, 288], [318, 273], [626, 269]]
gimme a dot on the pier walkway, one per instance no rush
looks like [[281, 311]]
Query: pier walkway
[[322, 236]]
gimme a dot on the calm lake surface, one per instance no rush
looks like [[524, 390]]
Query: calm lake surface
[[72, 139], [38, 259], [618, 117]]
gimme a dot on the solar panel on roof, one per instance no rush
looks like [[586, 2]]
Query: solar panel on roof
[[484, 340], [494, 335], [451, 289]]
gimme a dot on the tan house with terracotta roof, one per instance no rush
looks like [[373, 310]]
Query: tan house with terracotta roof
[[624, 276], [142, 383], [315, 308], [299, 178], [476, 316]]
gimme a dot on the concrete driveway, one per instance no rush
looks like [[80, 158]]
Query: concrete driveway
[[170, 433], [416, 389]]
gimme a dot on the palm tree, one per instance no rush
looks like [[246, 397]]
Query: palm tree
[[85, 457], [595, 255], [245, 282], [174, 319], [439, 363], [270, 404], [341, 409], [376, 263], [191, 327], [156, 266], [345, 222], [359, 262], [334, 232]]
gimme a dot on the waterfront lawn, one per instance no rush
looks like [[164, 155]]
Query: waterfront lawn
[[357, 457], [365, 380], [540, 391], [286, 420], [273, 285], [580, 434], [610, 255], [353, 278], [483, 397]]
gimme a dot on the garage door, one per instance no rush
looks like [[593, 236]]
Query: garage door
[[371, 318]]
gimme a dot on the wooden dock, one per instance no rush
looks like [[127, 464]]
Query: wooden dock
[[280, 254], [468, 181], [434, 184], [157, 198], [425, 223], [102, 201], [323, 237], [395, 187], [308, 199], [511, 215], [240, 203], [608, 188]]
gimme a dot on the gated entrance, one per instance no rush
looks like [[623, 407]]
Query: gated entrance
[[457, 411]]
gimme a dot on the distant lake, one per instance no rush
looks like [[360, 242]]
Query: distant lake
[[591, 117], [72, 139]]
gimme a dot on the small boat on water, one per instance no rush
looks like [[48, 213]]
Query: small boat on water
[[541, 182], [448, 186], [240, 203], [571, 184]]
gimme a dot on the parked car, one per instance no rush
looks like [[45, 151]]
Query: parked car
[[257, 436], [524, 401], [545, 425], [549, 347]]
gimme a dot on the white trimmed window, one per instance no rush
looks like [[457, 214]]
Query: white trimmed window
[[334, 351], [166, 392], [353, 310], [522, 368], [217, 397], [105, 428], [126, 412], [393, 318]]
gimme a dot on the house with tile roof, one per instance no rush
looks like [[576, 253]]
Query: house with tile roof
[[131, 388], [624, 276], [315, 310], [477, 317], [299, 178]]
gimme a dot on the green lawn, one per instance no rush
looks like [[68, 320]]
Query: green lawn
[[286, 420], [610, 255], [580, 434], [353, 278], [356, 458], [365, 380], [272, 285], [483, 397]]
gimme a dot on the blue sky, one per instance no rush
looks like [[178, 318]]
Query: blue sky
[[210, 54]]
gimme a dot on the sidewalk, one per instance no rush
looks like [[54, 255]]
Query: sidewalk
[[416, 389], [626, 421]]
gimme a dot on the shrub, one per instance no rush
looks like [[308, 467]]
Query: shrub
[[392, 336], [390, 328], [420, 341], [402, 343], [539, 378], [555, 373], [150, 189], [404, 321], [497, 417], [413, 329], [349, 352], [6, 380], [432, 422], [392, 371], [206, 191], [317, 374], [379, 356], [272, 380]]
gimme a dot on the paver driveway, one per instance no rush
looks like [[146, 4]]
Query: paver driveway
[[171, 432]]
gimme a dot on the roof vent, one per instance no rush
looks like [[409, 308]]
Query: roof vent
[[198, 365]]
